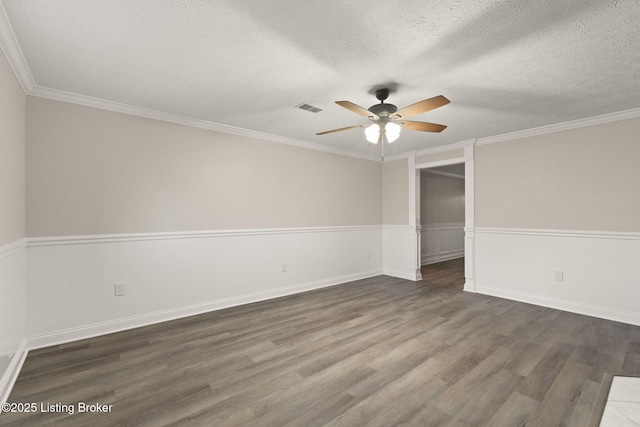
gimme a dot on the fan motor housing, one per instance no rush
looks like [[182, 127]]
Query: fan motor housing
[[383, 110]]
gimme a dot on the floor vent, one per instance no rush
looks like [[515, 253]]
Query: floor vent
[[308, 107]]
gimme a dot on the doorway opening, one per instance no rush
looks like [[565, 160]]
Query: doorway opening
[[442, 215], [455, 166], [441, 201]]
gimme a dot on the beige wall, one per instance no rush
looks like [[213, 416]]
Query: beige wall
[[395, 192], [91, 171], [439, 156], [12, 163], [395, 186], [441, 199], [581, 179]]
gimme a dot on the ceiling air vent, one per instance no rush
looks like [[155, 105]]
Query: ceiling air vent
[[308, 107]]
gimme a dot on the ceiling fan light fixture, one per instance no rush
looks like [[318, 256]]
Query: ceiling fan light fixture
[[392, 131], [372, 133]]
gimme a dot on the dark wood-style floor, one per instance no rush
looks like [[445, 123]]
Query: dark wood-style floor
[[380, 352]]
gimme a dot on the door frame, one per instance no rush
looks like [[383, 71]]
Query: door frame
[[469, 212]]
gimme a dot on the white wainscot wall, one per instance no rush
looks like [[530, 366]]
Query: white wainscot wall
[[169, 275], [12, 314], [442, 241], [600, 270], [400, 252]]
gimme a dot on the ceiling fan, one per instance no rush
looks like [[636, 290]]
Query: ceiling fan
[[388, 120]]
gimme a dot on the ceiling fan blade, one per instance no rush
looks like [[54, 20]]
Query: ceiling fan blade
[[357, 109], [420, 107], [423, 126], [341, 129]]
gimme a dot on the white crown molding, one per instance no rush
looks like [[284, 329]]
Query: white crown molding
[[9, 45], [133, 237], [542, 130], [620, 235], [73, 98], [559, 127], [103, 104]]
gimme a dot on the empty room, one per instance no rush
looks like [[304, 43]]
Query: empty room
[[363, 213]]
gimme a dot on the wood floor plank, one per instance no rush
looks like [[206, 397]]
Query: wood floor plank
[[600, 401], [567, 387], [515, 411], [546, 371], [631, 364], [320, 415], [392, 365], [473, 383], [525, 360], [495, 391], [377, 405], [287, 405], [228, 403], [377, 351], [607, 358], [585, 404]]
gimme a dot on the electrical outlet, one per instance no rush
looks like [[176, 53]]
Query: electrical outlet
[[559, 275], [118, 289], [284, 267]]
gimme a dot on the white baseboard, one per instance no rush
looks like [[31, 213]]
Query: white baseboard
[[433, 259], [12, 314], [587, 310], [597, 271], [10, 376], [469, 285], [401, 274], [88, 331]]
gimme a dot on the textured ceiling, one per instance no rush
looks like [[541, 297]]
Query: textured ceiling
[[505, 65]]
